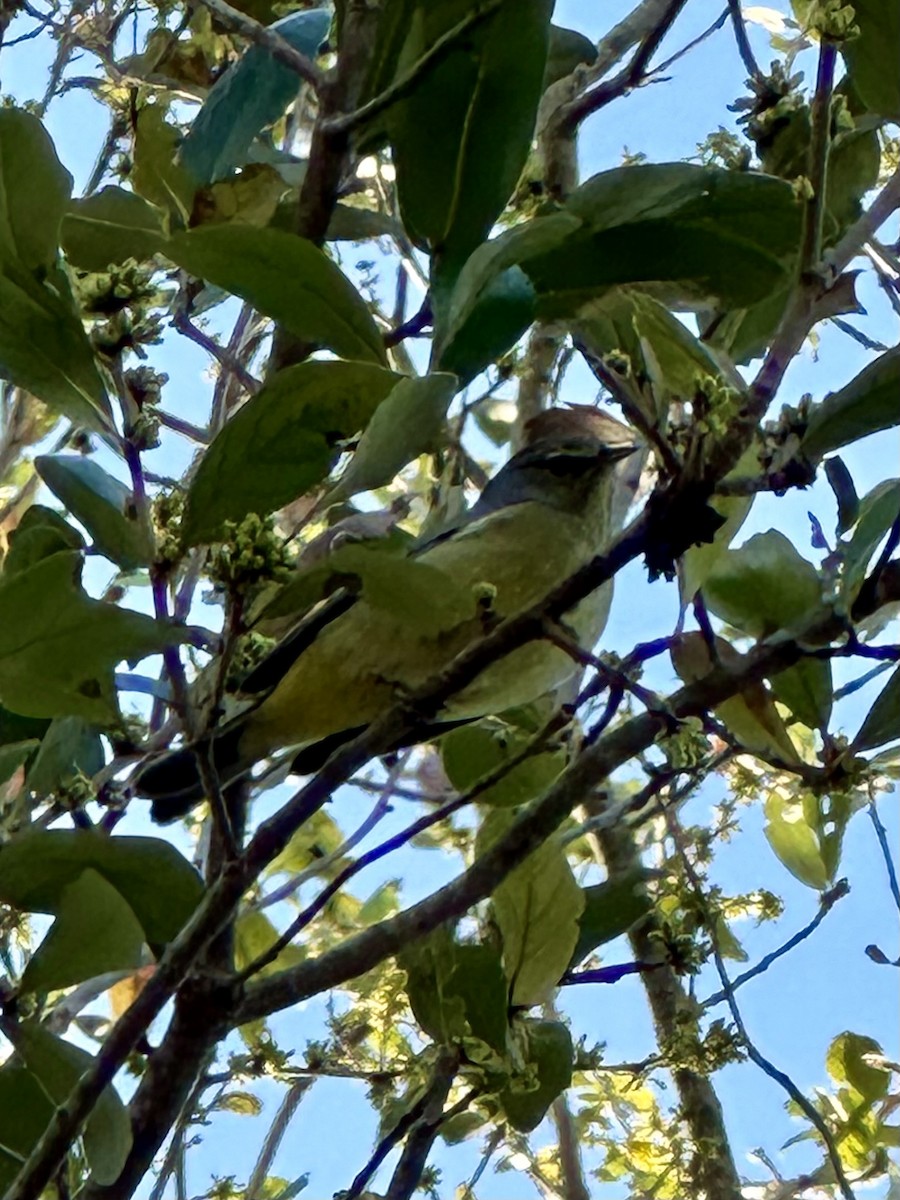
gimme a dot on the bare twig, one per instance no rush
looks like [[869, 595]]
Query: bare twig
[[743, 42], [817, 170], [881, 834], [279, 1127]]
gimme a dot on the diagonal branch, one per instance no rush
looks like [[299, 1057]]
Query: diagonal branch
[[280, 48]]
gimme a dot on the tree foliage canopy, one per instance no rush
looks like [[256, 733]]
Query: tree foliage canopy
[[367, 222]]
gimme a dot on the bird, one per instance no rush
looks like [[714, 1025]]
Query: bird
[[546, 513]]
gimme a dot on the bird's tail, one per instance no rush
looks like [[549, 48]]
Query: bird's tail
[[174, 783]]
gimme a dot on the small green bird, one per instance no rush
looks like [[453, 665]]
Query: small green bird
[[545, 514]]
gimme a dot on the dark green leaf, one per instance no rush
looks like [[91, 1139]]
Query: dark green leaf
[[474, 751], [110, 227], [282, 442], [872, 57], [350, 223], [44, 349], [16, 728], [34, 191], [883, 722], [58, 647], [611, 909], [867, 404], [59, 1066], [500, 315], [95, 931], [40, 533], [25, 1112], [69, 746], [567, 50], [846, 1064], [537, 909], [457, 990], [877, 513], [794, 840], [251, 95], [806, 689], [288, 279], [407, 423], [160, 885], [764, 586], [103, 505], [548, 1051], [841, 482], [461, 139]]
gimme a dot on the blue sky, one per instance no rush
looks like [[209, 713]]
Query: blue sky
[[826, 985]]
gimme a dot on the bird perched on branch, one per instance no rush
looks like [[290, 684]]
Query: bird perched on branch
[[546, 513]]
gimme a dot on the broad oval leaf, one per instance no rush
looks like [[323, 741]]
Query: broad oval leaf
[[34, 190], [282, 442], [407, 423], [865, 405], [794, 841], [873, 56], [249, 96], [549, 1052], [846, 1063], [475, 751], [611, 909], [95, 931], [288, 279], [40, 533], [59, 1066], [763, 586], [461, 138], [110, 227], [877, 512], [58, 647], [158, 883], [103, 505], [68, 747]]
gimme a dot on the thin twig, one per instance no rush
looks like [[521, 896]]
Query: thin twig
[[817, 169], [273, 1139], [826, 902], [881, 834], [743, 42], [182, 322]]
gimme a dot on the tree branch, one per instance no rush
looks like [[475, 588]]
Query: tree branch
[[280, 49]]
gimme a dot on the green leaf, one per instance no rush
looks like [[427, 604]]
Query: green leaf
[[865, 405], [499, 316], [846, 1063], [549, 1053], [764, 586], [610, 910], [25, 1112], [110, 227], [158, 883], [461, 138], [288, 279], [794, 840], [841, 483], [254, 935], [103, 505], [40, 533], [537, 909], [473, 751], [883, 722], [155, 173], [282, 442], [70, 745], [316, 838], [58, 647], [59, 1066], [807, 690], [872, 57], [407, 423], [751, 717], [457, 990], [877, 512], [252, 94], [44, 349], [95, 931], [34, 190]]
